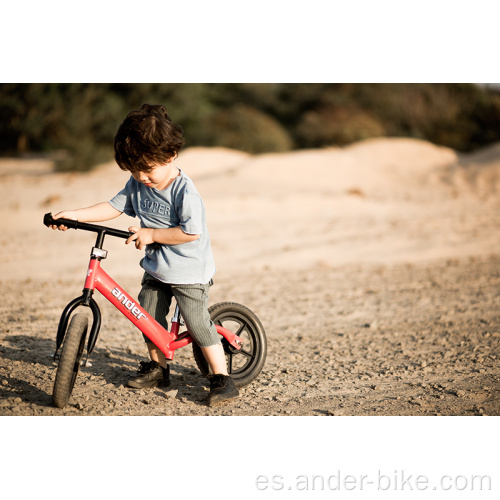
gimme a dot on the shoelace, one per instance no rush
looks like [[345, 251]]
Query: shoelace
[[145, 366], [217, 381]]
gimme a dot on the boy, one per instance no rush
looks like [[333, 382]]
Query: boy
[[178, 258]]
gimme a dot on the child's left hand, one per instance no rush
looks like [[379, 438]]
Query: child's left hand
[[142, 236]]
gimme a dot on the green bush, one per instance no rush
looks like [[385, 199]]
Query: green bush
[[244, 128], [78, 121], [339, 126]]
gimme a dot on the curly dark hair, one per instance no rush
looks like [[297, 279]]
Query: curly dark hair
[[147, 137]]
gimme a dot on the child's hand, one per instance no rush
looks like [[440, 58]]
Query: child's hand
[[142, 236], [66, 214]]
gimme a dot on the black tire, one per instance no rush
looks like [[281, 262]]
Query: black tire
[[69, 363], [243, 365]]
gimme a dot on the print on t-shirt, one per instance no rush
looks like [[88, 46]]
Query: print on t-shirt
[[153, 207]]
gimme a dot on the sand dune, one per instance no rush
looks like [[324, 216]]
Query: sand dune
[[380, 200]]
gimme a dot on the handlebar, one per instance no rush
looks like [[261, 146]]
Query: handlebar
[[48, 220]]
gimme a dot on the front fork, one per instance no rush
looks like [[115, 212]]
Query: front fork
[[86, 300]]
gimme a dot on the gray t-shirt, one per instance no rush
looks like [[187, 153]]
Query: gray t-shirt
[[179, 204]]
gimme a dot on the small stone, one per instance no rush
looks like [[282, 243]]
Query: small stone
[[460, 393], [171, 394]]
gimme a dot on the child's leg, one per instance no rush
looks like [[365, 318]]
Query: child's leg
[[156, 355], [156, 298], [216, 358], [193, 304]]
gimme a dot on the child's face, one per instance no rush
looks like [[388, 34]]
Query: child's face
[[158, 176]]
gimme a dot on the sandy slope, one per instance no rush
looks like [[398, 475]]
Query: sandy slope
[[374, 268]]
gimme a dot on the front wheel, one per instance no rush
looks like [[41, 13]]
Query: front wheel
[[69, 363], [243, 365]]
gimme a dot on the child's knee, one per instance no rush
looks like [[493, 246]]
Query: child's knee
[[205, 335]]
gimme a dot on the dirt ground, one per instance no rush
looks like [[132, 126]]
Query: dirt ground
[[401, 340], [373, 304]]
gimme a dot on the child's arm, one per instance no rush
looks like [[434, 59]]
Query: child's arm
[[165, 236], [95, 213]]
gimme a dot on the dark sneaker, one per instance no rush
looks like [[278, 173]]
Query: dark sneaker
[[150, 374], [222, 388]]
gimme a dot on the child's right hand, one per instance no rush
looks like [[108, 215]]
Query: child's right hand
[[66, 214]]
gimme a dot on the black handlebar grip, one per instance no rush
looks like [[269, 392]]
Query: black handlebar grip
[[48, 220]]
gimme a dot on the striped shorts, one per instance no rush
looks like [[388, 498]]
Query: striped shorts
[[155, 297]]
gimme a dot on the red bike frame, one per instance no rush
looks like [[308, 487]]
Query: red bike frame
[[166, 341]]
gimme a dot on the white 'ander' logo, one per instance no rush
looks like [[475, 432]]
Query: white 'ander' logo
[[130, 305]]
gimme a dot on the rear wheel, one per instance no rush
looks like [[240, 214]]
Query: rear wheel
[[69, 363], [245, 364]]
